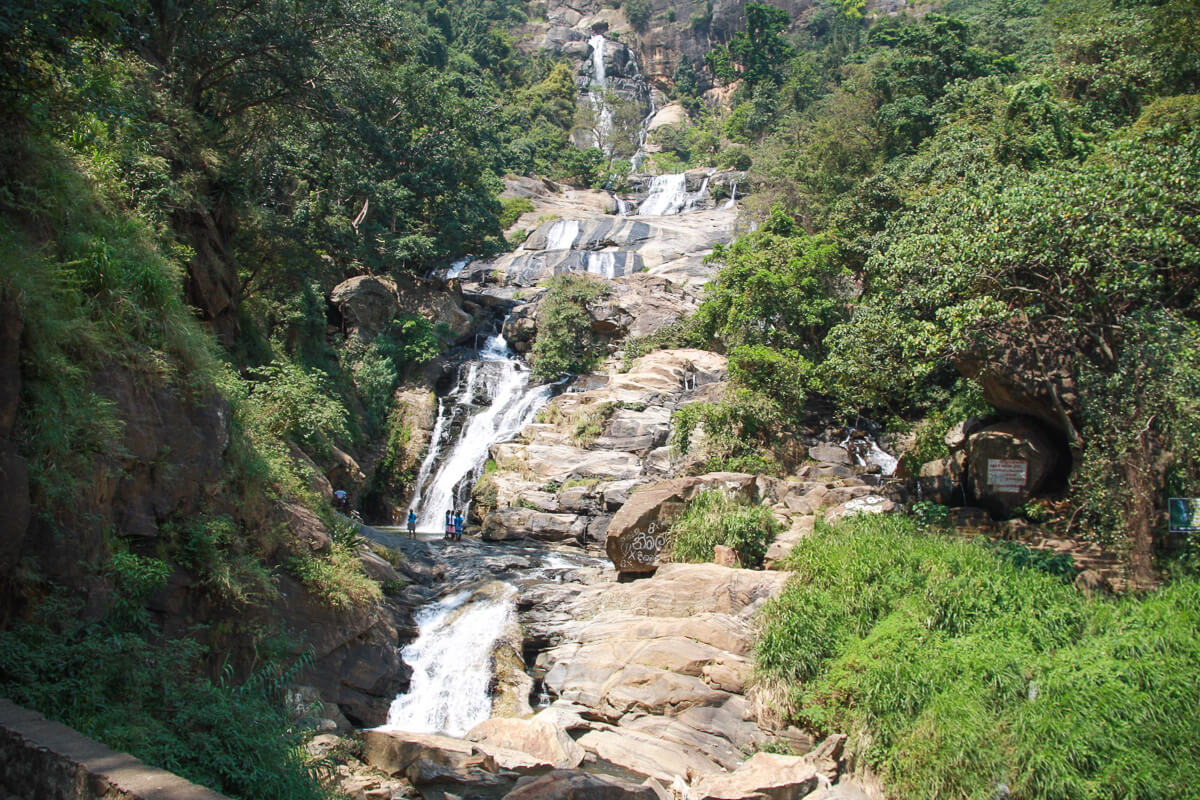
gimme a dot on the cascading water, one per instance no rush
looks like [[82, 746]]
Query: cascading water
[[732, 201], [457, 267], [451, 662], [669, 195], [604, 116], [562, 234], [601, 264], [510, 406]]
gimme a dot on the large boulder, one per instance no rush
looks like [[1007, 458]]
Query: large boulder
[[546, 743], [1010, 461], [367, 304], [577, 785], [637, 534], [767, 775], [521, 523], [394, 752], [944, 480], [1029, 376], [641, 305]]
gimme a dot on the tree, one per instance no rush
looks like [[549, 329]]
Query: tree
[[758, 53]]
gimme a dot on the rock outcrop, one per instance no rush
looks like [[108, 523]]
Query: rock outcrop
[[565, 475], [1010, 461], [1000, 465], [670, 246], [659, 665], [636, 536], [368, 303]]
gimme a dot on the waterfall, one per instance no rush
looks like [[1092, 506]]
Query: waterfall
[[669, 195], [600, 81], [510, 406], [601, 264], [561, 234], [451, 662], [732, 201], [457, 267]]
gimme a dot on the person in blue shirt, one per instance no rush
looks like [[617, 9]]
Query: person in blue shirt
[[412, 524], [458, 526]]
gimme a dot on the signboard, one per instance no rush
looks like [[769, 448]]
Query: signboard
[[1007, 474], [1184, 514]]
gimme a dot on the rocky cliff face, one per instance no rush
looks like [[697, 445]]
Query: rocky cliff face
[[674, 30]]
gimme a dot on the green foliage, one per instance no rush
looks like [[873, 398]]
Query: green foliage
[[929, 514], [740, 432], [336, 578], [755, 54], [298, 404], [511, 208], [637, 12], [103, 297], [714, 518], [775, 288], [225, 563], [970, 671], [590, 423], [964, 400], [564, 342], [1060, 565], [1141, 423], [117, 681]]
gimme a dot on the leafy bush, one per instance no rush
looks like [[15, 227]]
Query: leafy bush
[[1061, 565], [638, 13], [511, 209], [298, 404], [739, 432], [969, 671], [564, 342], [929, 440], [117, 681], [712, 518], [335, 578]]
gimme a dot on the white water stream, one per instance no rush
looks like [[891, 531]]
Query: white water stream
[[510, 405], [562, 234], [451, 659], [668, 194], [604, 117]]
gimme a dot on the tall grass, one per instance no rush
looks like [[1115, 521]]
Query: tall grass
[[714, 518], [969, 672]]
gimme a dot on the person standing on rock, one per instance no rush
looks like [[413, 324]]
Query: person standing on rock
[[450, 525], [412, 523], [458, 526]]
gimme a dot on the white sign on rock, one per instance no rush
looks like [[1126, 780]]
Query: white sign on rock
[[1007, 474]]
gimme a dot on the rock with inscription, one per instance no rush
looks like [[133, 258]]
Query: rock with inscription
[[637, 533], [1010, 461], [867, 504]]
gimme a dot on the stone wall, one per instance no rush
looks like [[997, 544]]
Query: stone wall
[[43, 760]]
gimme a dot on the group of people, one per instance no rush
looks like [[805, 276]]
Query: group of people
[[454, 526]]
